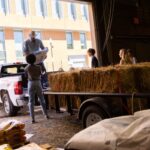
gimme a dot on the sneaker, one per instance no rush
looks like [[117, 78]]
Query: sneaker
[[47, 117], [33, 122]]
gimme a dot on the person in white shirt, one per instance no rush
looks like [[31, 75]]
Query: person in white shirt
[[131, 57]]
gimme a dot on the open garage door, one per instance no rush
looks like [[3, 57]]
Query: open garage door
[[65, 27]]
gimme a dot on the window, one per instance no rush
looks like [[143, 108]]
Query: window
[[38, 34], [84, 12], [77, 61], [83, 40], [4, 6], [56, 9], [72, 11], [16, 69], [41, 9], [22, 7], [69, 39], [2, 48], [18, 39]]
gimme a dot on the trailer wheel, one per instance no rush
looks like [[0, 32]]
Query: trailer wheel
[[9, 109], [91, 115]]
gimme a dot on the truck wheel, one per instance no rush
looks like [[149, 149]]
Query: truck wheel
[[91, 115], [9, 109]]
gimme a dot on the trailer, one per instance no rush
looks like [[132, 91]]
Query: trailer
[[98, 106]]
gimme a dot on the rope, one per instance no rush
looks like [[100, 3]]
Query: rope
[[132, 103], [139, 103], [111, 15]]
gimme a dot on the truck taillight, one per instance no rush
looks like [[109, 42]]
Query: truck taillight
[[18, 88]]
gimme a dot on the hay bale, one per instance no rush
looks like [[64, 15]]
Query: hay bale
[[64, 82], [86, 80], [122, 79], [143, 75], [105, 80], [127, 79]]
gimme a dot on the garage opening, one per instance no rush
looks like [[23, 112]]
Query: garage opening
[[63, 26]]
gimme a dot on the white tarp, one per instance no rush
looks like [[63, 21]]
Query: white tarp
[[121, 133]]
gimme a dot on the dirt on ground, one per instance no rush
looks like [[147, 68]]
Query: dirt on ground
[[55, 131]]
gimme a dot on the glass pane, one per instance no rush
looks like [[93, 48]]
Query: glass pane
[[18, 38], [38, 35], [69, 40], [39, 7], [56, 8], [84, 12], [20, 7], [83, 40], [19, 53], [2, 41], [77, 61], [12, 70], [2, 6], [71, 11], [44, 7], [2, 55]]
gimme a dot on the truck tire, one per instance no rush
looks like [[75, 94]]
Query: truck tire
[[9, 109], [91, 115]]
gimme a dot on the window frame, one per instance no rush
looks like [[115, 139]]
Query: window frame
[[20, 51], [70, 46], [6, 7], [56, 7], [84, 12], [85, 40], [24, 5], [38, 32], [72, 11], [43, 8], [4, 46]]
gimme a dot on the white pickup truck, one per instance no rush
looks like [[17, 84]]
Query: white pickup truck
[[13, 87]]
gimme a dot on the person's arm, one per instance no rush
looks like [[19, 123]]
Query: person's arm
[[25, 49], [26, 71], [41, 45], [94, 62], [134, 61]]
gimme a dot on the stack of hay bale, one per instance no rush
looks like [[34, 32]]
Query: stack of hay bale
[[12, 133], [111, 79], [61, 81]]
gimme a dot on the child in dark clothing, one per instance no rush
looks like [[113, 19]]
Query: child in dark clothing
[[34, 85], [93, 60]]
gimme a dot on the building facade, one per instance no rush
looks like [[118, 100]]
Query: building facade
[[62, 26]]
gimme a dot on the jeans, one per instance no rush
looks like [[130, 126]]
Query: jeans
[[44, 78], [35, 88]]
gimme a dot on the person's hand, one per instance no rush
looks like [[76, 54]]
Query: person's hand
[[45, 57], [26, 53]]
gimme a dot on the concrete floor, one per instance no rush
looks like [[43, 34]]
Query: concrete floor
[[55, 131]]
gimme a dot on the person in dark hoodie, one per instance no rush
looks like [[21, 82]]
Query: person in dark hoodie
[[93, 60]]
